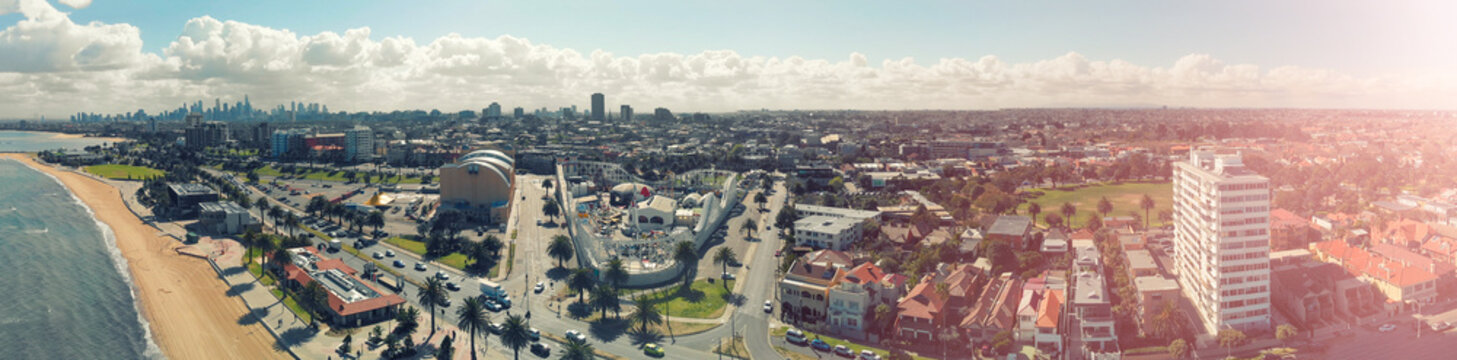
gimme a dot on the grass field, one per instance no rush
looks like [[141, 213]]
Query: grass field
[[1125, 198], [456, 260], [124, 172], [332, 175], [704, 301]]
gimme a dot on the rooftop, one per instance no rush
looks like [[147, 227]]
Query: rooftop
[[1014, 225], [1140, 259], [1089, 289], [191, 189], [1155, 283], [836, 211], [825, 224], [222, 206]]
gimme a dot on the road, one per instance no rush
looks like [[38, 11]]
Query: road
[[531, 264], [750, 320]]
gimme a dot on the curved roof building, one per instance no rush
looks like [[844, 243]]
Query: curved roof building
[[480, 183]]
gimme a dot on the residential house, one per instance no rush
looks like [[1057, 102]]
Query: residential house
[[1140, 263], [853, 297], [1404, 286], [921, 313], [1154, 293], [1014, 229], [995, 310], [804, 290], [1290, 231], [1055, 243]]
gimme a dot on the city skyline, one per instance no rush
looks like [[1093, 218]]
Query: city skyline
[[944, 56]]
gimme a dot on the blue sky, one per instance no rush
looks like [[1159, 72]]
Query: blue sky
[[727, 55], [1355, 37]]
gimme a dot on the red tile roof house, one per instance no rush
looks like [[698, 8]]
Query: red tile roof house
[[921, 313], [995, 310], [1404, 286], [804, 290], [352, 302]]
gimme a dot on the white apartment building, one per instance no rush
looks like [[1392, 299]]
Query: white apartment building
[[1222, 239], [825, 232], [359, 144]]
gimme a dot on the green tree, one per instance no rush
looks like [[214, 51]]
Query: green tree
[[1068, 210], [581, 281], [1053, 220], [550, 209], [646, 314], [760, 199], [375, 219], [605, 298], [1286, 331], [1105, 206], [472, 319], [616, 272], [447, 347], [1147, 204], [1034, 209], [431, 297], [560, 249], [1094, 223], [515, 334], [263, 208], [1179, 349], [577, 350], [1230, 339], [406, 322], [723, 257]]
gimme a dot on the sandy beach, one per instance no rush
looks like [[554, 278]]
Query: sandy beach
[[190, 314]]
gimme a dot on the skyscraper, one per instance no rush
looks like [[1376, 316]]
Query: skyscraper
[[1222, 239], [599, 107], [359, 144], [493, 112], [519, 113], [626, 114]]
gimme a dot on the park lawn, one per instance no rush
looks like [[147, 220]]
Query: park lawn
[[854, 347], [332, 175], [257, 271], [124, 172], [510, 263], [292, 305], [456, 260], [709, 297], [1124, 196]]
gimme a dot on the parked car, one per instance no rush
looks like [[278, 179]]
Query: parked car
[[768, 306], [794, 336], [844, 351], [728, 276], [495, 328], [1387, 327], [492, 306], [540, 286], [868, 355], [652, 349], [819, 345]]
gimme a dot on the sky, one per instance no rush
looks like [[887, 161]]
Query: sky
[[105, 56]]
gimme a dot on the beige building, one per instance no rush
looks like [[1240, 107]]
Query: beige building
[[479, 184]]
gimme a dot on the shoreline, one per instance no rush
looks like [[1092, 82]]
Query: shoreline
[[63, 136], [200, 320]]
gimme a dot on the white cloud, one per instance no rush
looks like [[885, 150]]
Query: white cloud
[[54, 66], [77, 4]]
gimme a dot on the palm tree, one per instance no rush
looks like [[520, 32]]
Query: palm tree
[[723, 257], [581, 281], [760, 199], [1105, 206], [472, 316], [605, 298], [560, 249], [375, 219], [406, 322], [431, 296], [316, 205], [577, 350], [646, 314], [1068, 210], [616, 272], [514, 334], [686, 253], [1034, 209], [263, 210], [275, 213], [292, 221], [550, 209], [749, 226], [1147, 204]]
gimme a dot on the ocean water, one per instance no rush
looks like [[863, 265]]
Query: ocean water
[[64, 289], [24, 141]]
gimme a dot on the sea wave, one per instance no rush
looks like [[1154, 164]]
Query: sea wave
[[121, 265]]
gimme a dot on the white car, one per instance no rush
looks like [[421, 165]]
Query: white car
[[442, 275], [768, 306], [540, 287], [1387, 327], [576, 335]]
